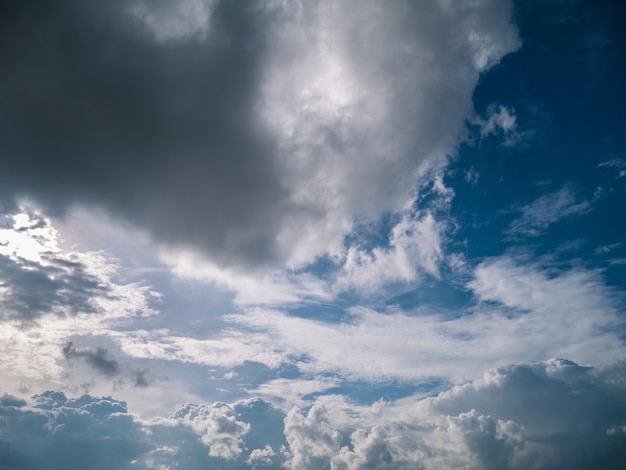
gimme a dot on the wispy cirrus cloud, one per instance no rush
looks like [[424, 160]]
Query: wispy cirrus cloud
[[548, 209], [523, 311]]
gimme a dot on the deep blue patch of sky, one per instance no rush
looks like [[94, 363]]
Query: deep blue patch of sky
[[566, 87]]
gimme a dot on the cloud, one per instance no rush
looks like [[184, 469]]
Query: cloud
[[59, 433], [37, 278], [499, 120], [53, 431], [219, 429], [255, 133], [546, 415], [400, 252], [49, 294], [414, 247], [41, 278], [98, 358], [546, 210], [182, 21], [521, 311], [242, 434], [312, 441]]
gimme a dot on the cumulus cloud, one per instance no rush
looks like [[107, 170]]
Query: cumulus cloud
[[219, 429], [242, 434], [312, 441], [255, 132], [59, 433], [548, 415]]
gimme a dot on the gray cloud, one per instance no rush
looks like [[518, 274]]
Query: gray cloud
[[60, 433], [95, 111], [232, 126], [97, 358], [60, 286], [141, 378]]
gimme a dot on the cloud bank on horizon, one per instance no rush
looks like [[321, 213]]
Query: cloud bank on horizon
[[293, 234]]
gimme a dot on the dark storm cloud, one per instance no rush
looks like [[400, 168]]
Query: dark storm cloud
[[94, 109]]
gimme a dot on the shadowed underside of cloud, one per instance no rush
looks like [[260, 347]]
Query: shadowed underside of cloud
[[550, 415], [254, 131]]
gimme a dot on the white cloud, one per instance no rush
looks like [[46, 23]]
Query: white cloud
[[261, 457], [231, 348], [217, 426], [276, 287], [524, 307], [357, 118], [526, 312], [414, 247], [500, 119], [548, 209], [312, 441], [291, 392]]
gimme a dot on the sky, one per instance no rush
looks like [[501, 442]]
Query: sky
[[312, 234]]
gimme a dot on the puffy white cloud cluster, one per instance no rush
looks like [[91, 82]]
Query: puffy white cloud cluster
[[312, 441], [219, 429], [549, 415]]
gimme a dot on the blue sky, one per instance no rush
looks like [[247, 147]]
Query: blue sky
[[338, 235]]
